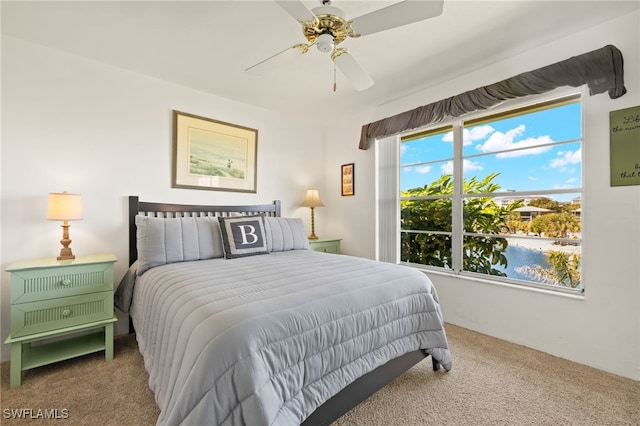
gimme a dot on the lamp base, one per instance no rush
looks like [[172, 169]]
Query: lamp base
[[65, 251], [313, 235], [65, 254]]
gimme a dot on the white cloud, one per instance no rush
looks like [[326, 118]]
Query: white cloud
[[477, 133], [567, 157], [469, 136], [468, 166], [471, 166], [499, 141], [447, 168], [422, 169], [533, 178]]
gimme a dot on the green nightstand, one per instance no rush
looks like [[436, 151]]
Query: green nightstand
[[52, 298], [326, 245]]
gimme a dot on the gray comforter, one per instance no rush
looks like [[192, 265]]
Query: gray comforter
[[265, 340]]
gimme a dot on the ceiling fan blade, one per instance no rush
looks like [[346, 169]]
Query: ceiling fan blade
[[278, 59], [297, 9], [396, 15], [351, 69]]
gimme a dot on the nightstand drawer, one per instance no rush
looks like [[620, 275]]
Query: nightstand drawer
[[327, 248], [46, 315], [325, 245], [42, 284]]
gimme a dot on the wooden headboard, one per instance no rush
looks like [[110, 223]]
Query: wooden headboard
[[137, 207]]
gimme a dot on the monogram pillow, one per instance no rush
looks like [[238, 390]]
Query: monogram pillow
[[243, 236]]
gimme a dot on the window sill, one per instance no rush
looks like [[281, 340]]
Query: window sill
[[566, 293]]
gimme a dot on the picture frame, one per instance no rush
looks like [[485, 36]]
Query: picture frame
[[213, 155], [347, 179]]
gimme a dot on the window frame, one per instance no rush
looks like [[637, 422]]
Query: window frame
[[509, 108]]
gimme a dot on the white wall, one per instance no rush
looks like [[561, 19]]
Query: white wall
[[69, 123], [603, 328]]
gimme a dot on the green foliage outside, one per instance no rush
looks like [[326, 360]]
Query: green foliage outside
[[546, 203], [559, 223], [553, 205], [564, 269], [481, 215], [555, 225]]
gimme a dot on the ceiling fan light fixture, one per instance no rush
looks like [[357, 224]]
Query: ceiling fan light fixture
[[325, 43], [326, 27]]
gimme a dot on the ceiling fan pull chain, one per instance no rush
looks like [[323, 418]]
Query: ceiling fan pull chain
[[334, 76]]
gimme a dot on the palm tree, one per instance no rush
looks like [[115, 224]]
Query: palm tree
[[564, 269]]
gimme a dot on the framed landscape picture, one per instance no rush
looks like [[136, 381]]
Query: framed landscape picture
[[347, 174], [213, 155]]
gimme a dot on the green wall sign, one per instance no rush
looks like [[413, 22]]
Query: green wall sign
[[624, 140]]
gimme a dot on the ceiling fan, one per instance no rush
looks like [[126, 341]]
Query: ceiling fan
[[326, 27]]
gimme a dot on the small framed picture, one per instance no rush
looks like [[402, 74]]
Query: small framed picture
[[347, 175]]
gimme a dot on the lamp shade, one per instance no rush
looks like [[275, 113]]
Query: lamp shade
[[312, 199], [64, 206]]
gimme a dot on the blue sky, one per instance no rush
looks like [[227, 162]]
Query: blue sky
[[534, 168]]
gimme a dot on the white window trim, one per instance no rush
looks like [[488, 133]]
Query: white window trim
[[387, 158]]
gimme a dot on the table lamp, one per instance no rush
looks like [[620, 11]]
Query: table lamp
[[64, 206], [312, 200]]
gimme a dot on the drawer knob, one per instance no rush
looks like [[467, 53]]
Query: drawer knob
[[66, 312], [65, 281]]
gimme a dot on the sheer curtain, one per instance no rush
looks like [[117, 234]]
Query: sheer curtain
[[387, 205]]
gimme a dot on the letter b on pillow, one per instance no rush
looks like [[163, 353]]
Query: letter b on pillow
[[243, 236], [248, 234]]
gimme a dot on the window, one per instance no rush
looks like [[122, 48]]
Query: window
[[497, 195]]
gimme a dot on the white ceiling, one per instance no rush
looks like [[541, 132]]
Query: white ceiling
[[207, 45]]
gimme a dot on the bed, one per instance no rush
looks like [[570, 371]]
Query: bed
[[240, 323]]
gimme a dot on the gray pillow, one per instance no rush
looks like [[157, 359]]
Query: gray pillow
[[243, 236], [286, 234], [169, 240]]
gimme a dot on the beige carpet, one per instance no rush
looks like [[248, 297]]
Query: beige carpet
[[492, 383]]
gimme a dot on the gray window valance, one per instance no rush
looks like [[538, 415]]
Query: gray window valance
[[601, 70]]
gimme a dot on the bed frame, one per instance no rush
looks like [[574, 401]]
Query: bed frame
[[351, 395]]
